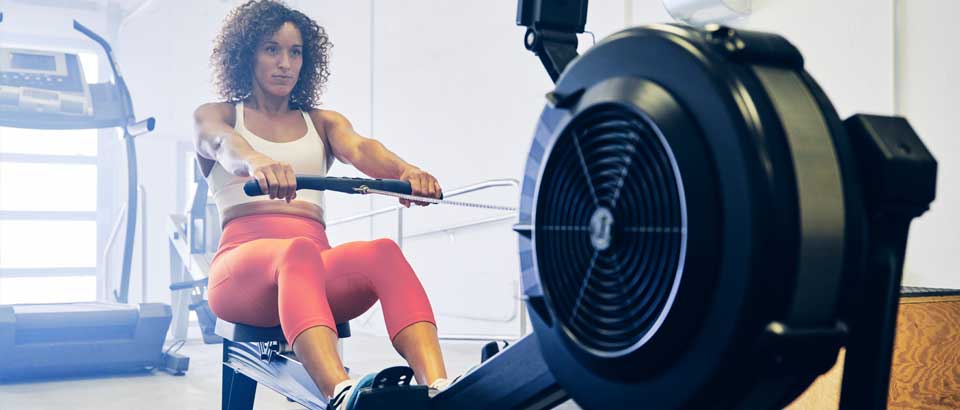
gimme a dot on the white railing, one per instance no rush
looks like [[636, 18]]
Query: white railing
[[519, 308]]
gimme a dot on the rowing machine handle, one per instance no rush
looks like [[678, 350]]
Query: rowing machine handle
[[345, 185]]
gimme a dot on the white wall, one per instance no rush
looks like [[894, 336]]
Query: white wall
[[40, 25], [847, 46], [928, 88]]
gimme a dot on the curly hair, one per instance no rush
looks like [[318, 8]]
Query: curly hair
[[235, 48]]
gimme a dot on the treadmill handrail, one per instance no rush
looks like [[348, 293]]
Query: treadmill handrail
[[121, 85]]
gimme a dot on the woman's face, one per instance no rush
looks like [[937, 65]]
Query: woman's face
[[278, 61]]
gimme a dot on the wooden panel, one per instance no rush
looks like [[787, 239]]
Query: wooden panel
[[824, 393], [926, 361]]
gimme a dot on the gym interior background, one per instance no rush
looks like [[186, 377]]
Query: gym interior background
[[445, 84]]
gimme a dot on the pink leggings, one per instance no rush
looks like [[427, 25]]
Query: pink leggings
[[280, 269]]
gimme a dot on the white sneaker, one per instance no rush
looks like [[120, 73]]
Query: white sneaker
[[346, 398]]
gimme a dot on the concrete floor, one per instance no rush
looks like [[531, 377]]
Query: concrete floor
[[199, 388]]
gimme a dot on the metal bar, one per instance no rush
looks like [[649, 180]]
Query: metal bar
[[400, 227], [121, 294], [364, 215], [105, 260], [493, 183], [48, 215], [524, 320], [48, 159], [479, 337], [143, 243], [515, 378], [42, 272], [179, 300]]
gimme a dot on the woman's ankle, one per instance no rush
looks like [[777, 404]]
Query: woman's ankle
[[337, 386], [440, 383]]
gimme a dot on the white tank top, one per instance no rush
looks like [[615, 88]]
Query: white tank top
[[307, 155]]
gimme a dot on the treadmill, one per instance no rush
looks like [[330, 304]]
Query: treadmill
[[47, 90]]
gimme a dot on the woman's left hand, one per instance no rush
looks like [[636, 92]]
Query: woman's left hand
[[422, 184]]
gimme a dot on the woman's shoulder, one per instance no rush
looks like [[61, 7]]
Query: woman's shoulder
[[222, 110], [323, 117], [218, 105]]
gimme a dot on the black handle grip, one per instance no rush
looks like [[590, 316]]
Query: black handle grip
[[345, 185]]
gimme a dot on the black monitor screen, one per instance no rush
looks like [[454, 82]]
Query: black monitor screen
[[33, 62]]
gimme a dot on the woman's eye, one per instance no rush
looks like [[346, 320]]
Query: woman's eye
[[297, 52], [271, 49]]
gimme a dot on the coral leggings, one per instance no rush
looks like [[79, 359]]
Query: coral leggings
[[275, 269]]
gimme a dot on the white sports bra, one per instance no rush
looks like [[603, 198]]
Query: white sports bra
[[307, 155]]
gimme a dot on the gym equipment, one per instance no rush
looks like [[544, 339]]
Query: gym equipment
[[387, 187], [57, 340], [697, 219], [254, 355], [43, 81], [698, 228], [700, 12], [193, 240]]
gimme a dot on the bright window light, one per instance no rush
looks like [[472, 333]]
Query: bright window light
[[56, 289], [48, 187], [91, 67], [48, 142], [48, 244]]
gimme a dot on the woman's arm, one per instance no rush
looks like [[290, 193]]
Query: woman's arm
[[370, 156], [217, 140]]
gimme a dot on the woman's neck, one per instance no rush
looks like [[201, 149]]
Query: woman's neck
[[267, 103]]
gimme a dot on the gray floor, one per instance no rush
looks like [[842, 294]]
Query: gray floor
[[200, 387]]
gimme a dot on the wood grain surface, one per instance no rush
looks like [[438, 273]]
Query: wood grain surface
[[926, 361]]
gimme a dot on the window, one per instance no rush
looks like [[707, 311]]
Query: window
[[48, 211]]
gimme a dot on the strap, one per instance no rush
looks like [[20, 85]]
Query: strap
[[310, 126], [239, 114]]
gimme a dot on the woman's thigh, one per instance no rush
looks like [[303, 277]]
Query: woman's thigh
[[243, 284]]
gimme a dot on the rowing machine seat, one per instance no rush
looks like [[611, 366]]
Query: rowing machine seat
[[246, 333]]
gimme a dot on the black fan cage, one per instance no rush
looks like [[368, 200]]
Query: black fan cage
[[610, 230]]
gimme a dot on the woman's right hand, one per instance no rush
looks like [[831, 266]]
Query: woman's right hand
[[276, 178]]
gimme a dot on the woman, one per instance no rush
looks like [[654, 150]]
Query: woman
[[275, 265]]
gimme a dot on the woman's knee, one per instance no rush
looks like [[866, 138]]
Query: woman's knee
[[301, 255], [383, 247], [301, 247]]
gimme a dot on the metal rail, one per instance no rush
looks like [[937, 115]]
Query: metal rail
[[401, 235]]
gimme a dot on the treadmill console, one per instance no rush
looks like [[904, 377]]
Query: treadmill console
[[50, 82]]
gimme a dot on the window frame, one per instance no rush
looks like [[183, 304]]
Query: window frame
[[106, 160]]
